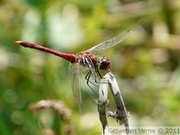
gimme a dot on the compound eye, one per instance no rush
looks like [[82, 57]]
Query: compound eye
[[104, 64]]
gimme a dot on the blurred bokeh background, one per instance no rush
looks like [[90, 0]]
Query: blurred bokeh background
[[146, 64]]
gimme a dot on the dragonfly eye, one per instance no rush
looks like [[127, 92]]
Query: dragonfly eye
[[104, 64]]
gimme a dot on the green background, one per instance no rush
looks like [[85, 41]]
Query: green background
[[146, 64]]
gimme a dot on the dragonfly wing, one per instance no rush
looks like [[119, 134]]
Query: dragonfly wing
[[111, 42], [75, 84]]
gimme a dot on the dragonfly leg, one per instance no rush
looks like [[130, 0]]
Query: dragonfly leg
[[87, 77], [98, 73]]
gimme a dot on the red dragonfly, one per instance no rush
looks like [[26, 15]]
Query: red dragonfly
[[88, 59]]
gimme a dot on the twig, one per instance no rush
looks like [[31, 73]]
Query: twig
[[61, 110], [121, 115]]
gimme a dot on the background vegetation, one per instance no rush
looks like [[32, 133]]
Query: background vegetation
[[146, 64]]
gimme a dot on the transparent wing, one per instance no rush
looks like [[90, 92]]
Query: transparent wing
[[92, 79], [91, 85], [89, 78], [74, 76], [111, 42]]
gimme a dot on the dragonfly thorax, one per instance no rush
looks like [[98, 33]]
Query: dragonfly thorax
[[87, 59]]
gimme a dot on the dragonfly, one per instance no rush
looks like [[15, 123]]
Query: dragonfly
[[91, 59]]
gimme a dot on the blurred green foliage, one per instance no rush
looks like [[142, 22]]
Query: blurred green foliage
[[146, 64]]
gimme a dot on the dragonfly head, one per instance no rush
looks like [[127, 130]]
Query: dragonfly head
[[104, 63]]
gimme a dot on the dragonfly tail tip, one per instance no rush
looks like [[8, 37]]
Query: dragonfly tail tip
[[18, 42]]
